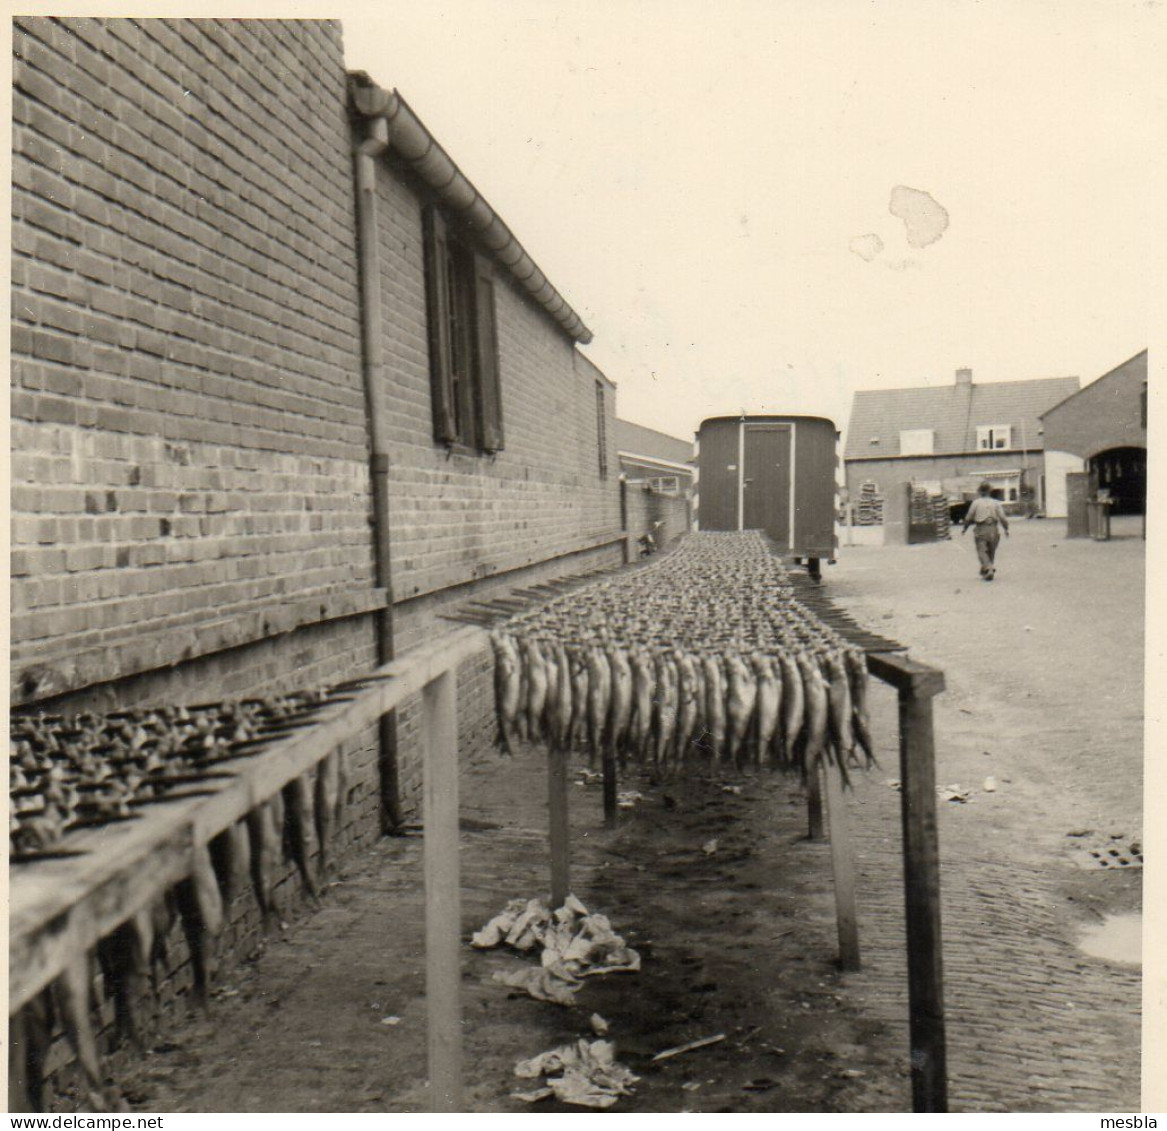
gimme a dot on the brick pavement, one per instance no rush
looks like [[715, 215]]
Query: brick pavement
[[1052, 710]]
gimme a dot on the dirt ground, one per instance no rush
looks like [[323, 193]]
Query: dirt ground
[[1044, 695]]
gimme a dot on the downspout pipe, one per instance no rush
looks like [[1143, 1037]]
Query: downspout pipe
[[366, 154]]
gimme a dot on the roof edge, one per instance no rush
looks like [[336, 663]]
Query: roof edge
[[1083, 388], [411, 140]]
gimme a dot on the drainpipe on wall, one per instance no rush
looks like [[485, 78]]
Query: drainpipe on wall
[[366, 154]]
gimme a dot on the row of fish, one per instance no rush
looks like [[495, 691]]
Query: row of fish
[[704, 657], [671, 707], [297, 825]]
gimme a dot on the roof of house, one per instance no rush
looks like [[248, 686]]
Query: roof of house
[[635, 439], [953, 413], [1133, 368]]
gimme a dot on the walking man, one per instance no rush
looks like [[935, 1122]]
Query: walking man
[[988, 516]]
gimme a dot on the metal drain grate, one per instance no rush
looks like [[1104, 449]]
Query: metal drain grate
[[1112, 853], [1116, 857]]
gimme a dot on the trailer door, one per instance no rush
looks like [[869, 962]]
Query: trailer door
[[766, 490]]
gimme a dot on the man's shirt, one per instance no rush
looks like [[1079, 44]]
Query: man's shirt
[[985, 512]]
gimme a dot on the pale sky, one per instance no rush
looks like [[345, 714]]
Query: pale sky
[[691, 174]]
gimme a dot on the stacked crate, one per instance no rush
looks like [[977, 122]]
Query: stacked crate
[[869, 506], [920, 513], [941, 516]]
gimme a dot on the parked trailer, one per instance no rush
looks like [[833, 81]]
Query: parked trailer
[[771, 473]]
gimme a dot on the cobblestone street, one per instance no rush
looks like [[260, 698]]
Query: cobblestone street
[[1044, 694]]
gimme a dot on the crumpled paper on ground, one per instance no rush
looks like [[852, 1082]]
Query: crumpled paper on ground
[[574, 944], [585, 1074], [541, 984]]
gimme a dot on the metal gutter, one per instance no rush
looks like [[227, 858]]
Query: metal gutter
[[365, 156], [409, 139], [658, 461]]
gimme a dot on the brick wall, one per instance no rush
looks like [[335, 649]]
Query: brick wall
[[464, 526], [190, 496], [457, 517], [189, 438], [1107, 413], [647, 508]]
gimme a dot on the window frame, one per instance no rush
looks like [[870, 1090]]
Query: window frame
[[987, 437], [462, 329], [601, 430]]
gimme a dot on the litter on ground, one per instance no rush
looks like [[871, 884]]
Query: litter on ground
[[572, 943], [667, 1054], [585, 1074]]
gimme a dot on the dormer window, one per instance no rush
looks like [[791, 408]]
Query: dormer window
[[993, 437]]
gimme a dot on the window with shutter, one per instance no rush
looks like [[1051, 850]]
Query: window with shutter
[[601, 431], [438, 317], [463, 341], [489, 389]]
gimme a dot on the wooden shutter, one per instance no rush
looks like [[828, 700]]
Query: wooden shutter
[[437, 295], [489, 390]]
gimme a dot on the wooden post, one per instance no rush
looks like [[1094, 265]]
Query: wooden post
[[922, 903], [842, 867], [610, 786], [917, 684], [560, 836], [814, 803], [443, 918]]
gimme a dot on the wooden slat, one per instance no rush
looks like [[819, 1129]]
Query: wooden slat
[[906, 674], [559, 828], [842, 867], [61, 906], [443, 917], [922, 903], [814, 805]]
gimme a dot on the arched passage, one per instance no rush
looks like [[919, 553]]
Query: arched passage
[[1122, 473]]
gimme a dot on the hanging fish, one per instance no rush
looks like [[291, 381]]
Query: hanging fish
[[687, 710], [551, 703], [817, 710], [698, 735], [598, 699], [840, 706], [715, 703], [72, 994], [578, 663], [536, 668], [856, 665], [266, 852], [620, 709], [327, 795], [769, 704], [643, 688], [507, 686], [200, 907], [299, 796], [793, 705], [665, 709], [561, 719], [741, 699]]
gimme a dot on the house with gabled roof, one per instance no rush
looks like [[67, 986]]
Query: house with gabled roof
[[948, 438]]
